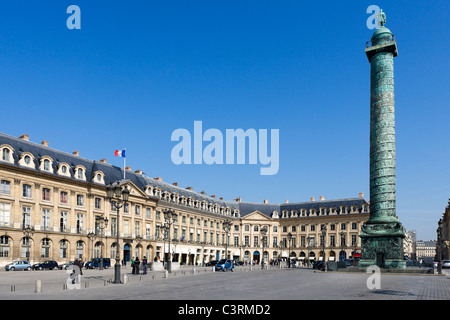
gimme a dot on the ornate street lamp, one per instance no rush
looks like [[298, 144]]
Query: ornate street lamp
[[263, 236], [289, 253], [439, 245], [117, 196], [169, 217], [226, 227], [324, 234], [91, 235], [27, 231], [102, 226]]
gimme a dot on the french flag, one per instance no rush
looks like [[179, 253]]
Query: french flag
[[119, 153]]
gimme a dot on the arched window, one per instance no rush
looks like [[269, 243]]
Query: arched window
[[45, 248], [79, 249], [63, 245]]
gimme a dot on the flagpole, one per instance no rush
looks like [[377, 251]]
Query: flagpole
[[124, 163]]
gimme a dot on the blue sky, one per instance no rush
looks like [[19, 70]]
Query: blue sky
[[138, 70]]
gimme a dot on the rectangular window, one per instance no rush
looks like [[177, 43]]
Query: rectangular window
[[137, 228], [113, 226], [26, 217], [5, 213], [5, 187], [98, 203], [255, 241], [26, 191], [137, 210], [148, 213], [80, 218], [148, 230], [46, 219], [63, 197], [46, 194], [63, 221], [80, 200], [126, 228]]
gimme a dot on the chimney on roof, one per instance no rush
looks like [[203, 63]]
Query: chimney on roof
[[189, 188], [266, 201], [361, 195], [76, 153], [322, 198], [103, 161], [44, 143], [286, 201], [213, 196], [128, 168], [203, 192], [25, 137], [238, 199], [158, 178], [175, 184], [221, 198], [138, 171], [313, 199]]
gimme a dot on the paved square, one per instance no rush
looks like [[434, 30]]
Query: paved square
[[243, 284]]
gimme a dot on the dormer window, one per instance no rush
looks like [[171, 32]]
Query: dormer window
[[45, 163], [99, 177], [80, 173], [27, 160], [6, 154]]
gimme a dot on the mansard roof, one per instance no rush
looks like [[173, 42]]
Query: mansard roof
[[113, 173]]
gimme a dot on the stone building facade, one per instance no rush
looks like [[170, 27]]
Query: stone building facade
[[54, 206]]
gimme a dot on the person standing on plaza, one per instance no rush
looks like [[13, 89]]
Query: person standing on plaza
[[137, 262], [144, 265], [132, 265]]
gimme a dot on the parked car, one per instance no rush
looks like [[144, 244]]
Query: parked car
[[95, 263], [65, 266], [211, 263], [445, 263], [48, 264], [239, 263], [319, 265], [18, 265], [224, 265]]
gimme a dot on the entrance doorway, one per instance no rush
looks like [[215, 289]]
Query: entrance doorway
[[126, 253]]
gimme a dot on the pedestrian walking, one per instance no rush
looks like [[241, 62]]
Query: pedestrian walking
[[78, 264], [144, 265], [137, 262]]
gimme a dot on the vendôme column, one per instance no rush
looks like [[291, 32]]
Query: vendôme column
[[382, 235]]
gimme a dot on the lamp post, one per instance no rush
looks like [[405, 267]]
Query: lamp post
[[324, 234], [169, 217], [27, 231], [117, 196], [102, 226], [263, 236], [91, 235], [226, 227], [439, 245], [341, 255], [289, 252]]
